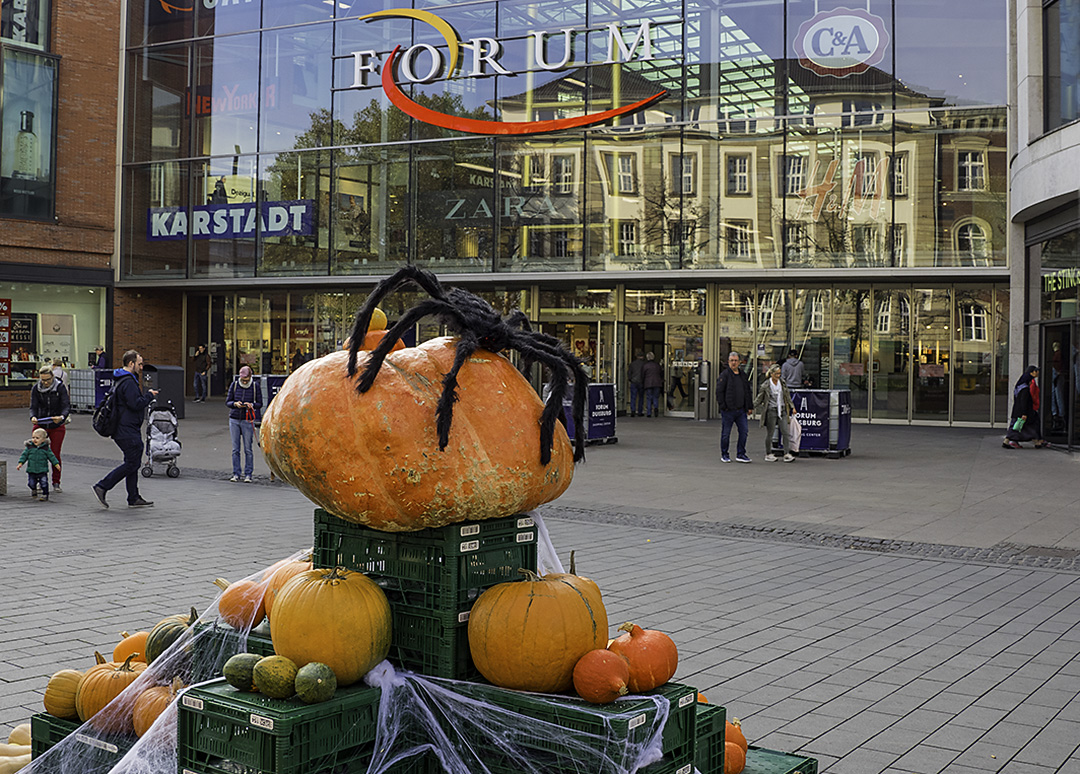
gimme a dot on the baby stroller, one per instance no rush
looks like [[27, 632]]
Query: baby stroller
[[161, 441]]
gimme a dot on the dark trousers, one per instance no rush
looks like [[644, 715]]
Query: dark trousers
[[128, 470], [637, 397], [56, 442], [727, 419], [38, 481], [652, 401], [200, 386]]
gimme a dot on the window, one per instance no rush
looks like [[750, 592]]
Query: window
[[27, 125], [627, 174], [793, 170], [898, 240], [883, 318], [562, 173], [680, 235], [738, 174], [971, 171], [26, 24], [898, 175], [862, 113], [766, 309], [628, 237], [866, 245], [797, 244], [865, 169], [560, 243], [817, 312], [737, 234], [683, 173], [971, 245], [1061, 30], [973, 322], [536, 178]]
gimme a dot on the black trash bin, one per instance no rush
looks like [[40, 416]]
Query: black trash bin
[[169, 381]]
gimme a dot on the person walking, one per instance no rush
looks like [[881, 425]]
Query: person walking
[[774, 403], [202, 370], [793, 372], [50, 405], [59, 372], [245, 404], [652, 379], [1025, 413], [736, 402], [637, 385], [131, 403], [298, 358]]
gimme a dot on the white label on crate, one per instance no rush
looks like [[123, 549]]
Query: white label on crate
[[188, 771], [463, 617], [686, 769], [470, 545], [687, 699], [638, 721], [525, 522], [260, 722], [526, 537], [470, 529], [92, 742], [191, 701]]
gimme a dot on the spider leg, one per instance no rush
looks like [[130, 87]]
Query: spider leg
[[518, 319], [407, 321], [426, 280], [562, 364], [444, 414]]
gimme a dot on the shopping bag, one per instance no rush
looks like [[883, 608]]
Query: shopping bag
[[1018, 425], [796, 434]]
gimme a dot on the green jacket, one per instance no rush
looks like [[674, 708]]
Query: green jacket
[[764, 397], [38, 458]]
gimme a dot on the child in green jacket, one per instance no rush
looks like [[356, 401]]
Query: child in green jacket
[[37, 456]]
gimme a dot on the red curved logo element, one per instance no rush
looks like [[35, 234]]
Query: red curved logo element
[[476, 126]]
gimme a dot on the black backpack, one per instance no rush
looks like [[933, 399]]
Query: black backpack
[[107, 415]]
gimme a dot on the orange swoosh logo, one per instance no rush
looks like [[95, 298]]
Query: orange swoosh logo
[[170, 8], [477, 126]]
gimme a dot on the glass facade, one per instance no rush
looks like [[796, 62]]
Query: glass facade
[[1061, 42], [756, 185]]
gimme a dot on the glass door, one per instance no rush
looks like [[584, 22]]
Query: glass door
[[933, 334], [1058, 404], [892, 354], [684, 351]]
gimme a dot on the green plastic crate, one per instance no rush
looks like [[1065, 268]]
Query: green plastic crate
[[623, 719], [762, 761], [215, 643], [92, 750], [709, 747], [438, 570], [221, 729], [431, 644]]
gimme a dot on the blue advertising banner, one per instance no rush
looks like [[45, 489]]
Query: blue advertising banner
[[843, 432], [599, 412], [812, 410], [231, 221]]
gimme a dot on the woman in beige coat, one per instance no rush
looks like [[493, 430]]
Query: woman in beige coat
[[774, 403]]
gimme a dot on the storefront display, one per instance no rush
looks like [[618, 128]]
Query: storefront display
[[27, 127]]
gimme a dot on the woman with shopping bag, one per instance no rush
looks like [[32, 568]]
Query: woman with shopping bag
[[774, 403]]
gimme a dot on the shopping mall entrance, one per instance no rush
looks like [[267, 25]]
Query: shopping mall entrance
[[1059, 407]]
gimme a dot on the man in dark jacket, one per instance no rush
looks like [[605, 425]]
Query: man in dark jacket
[[736, 402], [202, 370], [131, 403], [637, 384]]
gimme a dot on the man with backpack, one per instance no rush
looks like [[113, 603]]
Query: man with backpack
[[128, 407]]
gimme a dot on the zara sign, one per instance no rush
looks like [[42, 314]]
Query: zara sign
[[842, 42]]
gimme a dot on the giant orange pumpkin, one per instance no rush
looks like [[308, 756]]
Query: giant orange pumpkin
[[374, 458]]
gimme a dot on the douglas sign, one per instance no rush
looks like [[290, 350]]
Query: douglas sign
[[841, 42], [423, 63]]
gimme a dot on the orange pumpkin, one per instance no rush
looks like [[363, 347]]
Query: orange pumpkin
[[151, 703], [734, 758], [131, 643], [591, 592], [279, 578], [701, 698], [372, 339], [241, 604], [100, 685], [387, 470], [733, 733], [529, 635], [600, 676], [652, 655]]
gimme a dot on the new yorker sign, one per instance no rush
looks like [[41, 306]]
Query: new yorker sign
[[424, 63]]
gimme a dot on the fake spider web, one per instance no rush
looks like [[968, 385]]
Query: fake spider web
[[423, 723]]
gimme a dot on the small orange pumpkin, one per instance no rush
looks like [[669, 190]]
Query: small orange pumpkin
[[101, 684], [151, 703], [701, 698], [733, 733], [734, 758], [279, 578], [131, 643], [241, 604], [652, 655], [600, 676]]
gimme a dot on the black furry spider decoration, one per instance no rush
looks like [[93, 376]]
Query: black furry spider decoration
[[477, 326]]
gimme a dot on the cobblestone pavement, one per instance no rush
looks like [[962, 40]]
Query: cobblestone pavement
[[871, 643]]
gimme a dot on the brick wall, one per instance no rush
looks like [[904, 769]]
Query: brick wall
[[149, 321]]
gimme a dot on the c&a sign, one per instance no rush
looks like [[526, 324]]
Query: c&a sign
[[842, 42], [424, 63]]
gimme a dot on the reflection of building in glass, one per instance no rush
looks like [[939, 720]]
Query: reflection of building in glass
[[766, 202]]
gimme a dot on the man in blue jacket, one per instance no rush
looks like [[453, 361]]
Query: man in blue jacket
[[131, 405]]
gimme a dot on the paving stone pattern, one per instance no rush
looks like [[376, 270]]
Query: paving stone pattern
[[873, 653]]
